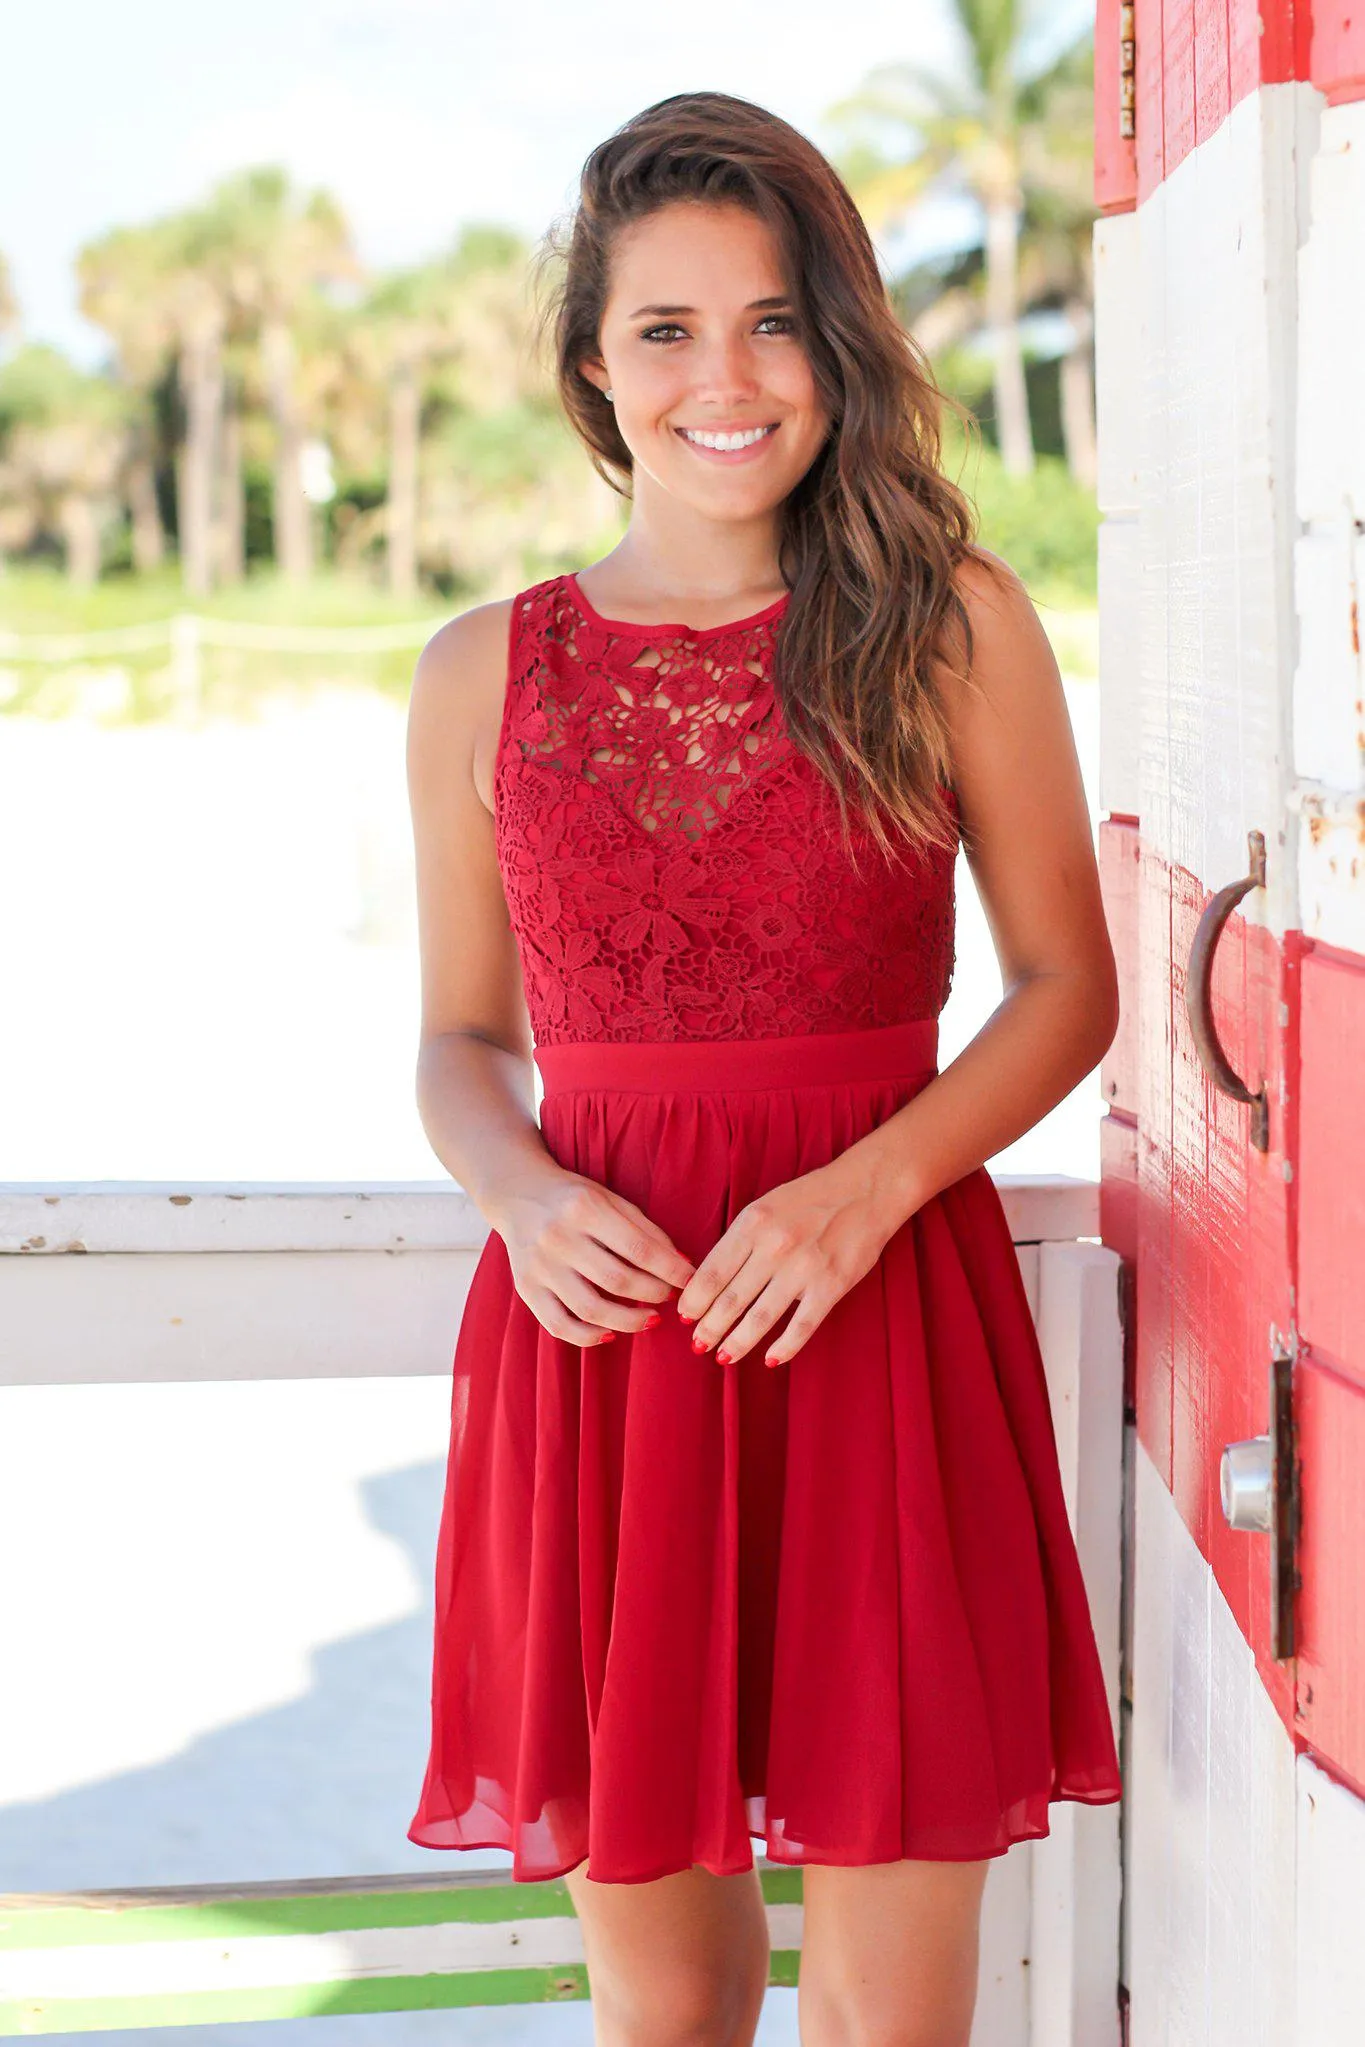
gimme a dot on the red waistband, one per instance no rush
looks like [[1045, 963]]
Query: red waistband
[[906, 1051]]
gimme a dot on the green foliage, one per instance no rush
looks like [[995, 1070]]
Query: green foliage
[[1045, 525]]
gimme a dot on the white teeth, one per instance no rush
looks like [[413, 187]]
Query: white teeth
[[745, 440]]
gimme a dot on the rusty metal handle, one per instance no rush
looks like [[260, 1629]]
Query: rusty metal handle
[[1199, 993]]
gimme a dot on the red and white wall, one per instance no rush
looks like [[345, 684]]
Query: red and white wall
[[1230, 338]]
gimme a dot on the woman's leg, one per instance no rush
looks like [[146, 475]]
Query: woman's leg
[[889, 1954], [679, 1962]]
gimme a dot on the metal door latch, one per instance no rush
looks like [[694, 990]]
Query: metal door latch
[[1259, 1487]]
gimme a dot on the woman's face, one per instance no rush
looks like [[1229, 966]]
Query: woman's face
[[698, 334]]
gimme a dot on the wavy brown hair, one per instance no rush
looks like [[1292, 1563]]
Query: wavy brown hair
[[871, 536]]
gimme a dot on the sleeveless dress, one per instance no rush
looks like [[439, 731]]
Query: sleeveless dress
[[834, 1605]]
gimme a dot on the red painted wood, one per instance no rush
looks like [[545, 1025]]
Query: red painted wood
[[1335, 33], [1118, 851], [1231, 1255], [1330, 1703], [1212, 79], [1119, 1227], [1177, 64], [1150, 140], [1197, 58], [1115, 154], [1331, 1160], [1214, 1229]]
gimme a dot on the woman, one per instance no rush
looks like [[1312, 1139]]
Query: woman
[[753, 1523]]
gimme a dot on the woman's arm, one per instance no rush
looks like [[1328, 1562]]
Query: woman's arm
[[567, 1237], [1027, 838]]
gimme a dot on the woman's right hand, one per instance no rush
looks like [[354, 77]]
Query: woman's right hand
[[574, 1243]]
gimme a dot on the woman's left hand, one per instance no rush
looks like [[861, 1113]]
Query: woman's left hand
[[805, 1242]]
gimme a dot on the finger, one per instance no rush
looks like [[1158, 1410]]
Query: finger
[[638, 1238], [733, 1301], [582, 1299], [555, 1318], [807, 1319], [613, 1274], [716, 1271], [763, 1315]]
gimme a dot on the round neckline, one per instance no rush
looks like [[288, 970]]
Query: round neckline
[[668, 625]]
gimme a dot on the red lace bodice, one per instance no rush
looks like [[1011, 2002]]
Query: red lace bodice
[[672, 861]]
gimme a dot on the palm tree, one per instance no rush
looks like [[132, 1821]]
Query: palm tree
[[1012, 129], [63, 442], [121, 290], [286, 248], [464, 312]]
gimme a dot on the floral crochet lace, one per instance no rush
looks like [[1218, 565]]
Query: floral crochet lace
[[671, 860]]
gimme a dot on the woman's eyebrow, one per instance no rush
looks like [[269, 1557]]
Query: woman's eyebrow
[[754, 306]]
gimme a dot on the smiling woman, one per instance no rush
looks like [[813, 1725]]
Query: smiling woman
[[686, 827]]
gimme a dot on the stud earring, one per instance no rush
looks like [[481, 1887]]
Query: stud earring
[[607, 396]]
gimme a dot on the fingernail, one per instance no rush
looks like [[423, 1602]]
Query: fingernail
[[723, 1358], [685, 1318], [772, 1360], [700, 1343], [651, 1321], [607, 1336]]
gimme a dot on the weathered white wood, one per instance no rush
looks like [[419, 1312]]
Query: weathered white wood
[[43, 1218], [1120, 665], [1001, 2017], [1074, 1967], [1331, 391], [124, 1317], [1331, 1911], [1217, 256], [1211, 1807], [133, 1283]]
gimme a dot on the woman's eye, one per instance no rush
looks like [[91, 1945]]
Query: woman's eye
[[783, 320]]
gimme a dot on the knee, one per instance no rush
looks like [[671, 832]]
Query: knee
[[830, 2020], [693, 2008]]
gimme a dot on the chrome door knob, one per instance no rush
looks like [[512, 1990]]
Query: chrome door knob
[[1247, 1483]]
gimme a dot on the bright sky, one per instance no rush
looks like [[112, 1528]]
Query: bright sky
[[417, 114]]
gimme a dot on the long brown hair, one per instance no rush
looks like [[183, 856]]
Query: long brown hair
[[869, 539]]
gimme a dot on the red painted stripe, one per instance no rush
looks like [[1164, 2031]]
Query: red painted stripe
[[1195, 60], [1331, 1184], [1330, 1705], [1115, 161], [1332, 48]]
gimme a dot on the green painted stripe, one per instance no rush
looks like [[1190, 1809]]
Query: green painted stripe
[[118, 1917], [398, 1993]]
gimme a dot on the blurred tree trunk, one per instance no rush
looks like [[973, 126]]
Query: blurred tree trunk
[[230, 546], [80, 529], [405, 409], [149, 535], [201, 382], [293, 524], [1002, 310], [1078, 397]]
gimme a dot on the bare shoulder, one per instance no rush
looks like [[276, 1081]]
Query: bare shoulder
[[458, 691]]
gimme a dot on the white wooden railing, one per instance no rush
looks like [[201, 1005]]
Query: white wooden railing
[[115, 1282]]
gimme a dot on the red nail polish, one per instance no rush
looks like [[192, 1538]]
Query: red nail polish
[[700, 1343], [772, 1361], [685, 1318], [723, 1357], [608, 1336], [652, 1321]]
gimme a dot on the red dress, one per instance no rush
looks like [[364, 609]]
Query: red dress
[[834, 1605]]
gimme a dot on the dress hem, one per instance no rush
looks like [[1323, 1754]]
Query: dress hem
[[1110, 1797]]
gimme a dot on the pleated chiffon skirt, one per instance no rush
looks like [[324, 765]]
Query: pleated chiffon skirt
[[833, 1606]]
